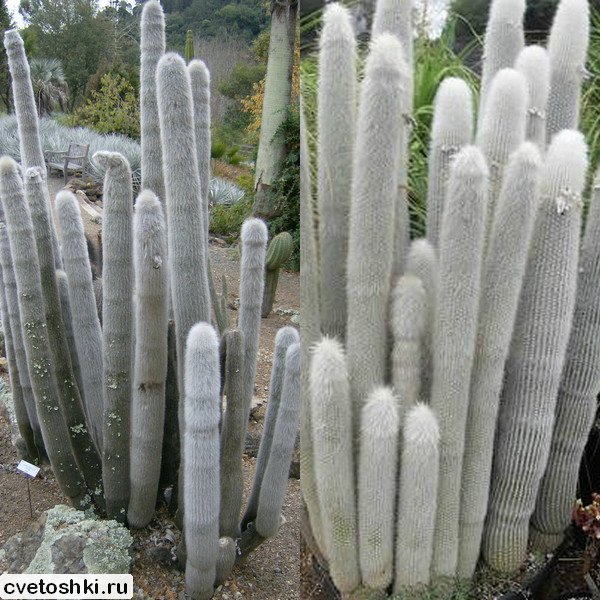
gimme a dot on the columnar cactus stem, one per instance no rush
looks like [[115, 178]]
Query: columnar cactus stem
[[252, 271], [279, 250], [35, 335], [377, 474], [152, 48], [576, 404], [504, 39], [534, 64], [331, 418], [285, 337], [310, 333], [502, 129], [567, 48], [419, 466], [233, 433], [423, 263], [408, 328], [82, 440], [190, 295], [14, 322], [200, 81], [281, 447], [65, 306], [336, 118], [537, 354], [461, 244], [201, 439], [371, 246], [22, 417], [452, 129], [150, 369], [117, 330], [502, 277], [27, 117], [395, 17], [86, 325]]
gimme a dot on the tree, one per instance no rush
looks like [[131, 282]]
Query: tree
[[72, 32], [5, 23], [49, 85], [277, 96]]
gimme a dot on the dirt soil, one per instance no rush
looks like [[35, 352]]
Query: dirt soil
[[272, 571]]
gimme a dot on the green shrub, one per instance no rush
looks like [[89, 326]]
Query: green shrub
[[114, 108], [227, 220], [217, 148]]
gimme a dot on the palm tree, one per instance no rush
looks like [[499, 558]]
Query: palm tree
[[49, 85]]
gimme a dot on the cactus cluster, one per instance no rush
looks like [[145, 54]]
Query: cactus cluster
[[98, 396], [451, 383]]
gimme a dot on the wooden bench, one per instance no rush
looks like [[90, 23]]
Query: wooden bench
[[73, 160]]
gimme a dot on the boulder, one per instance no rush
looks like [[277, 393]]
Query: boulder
[[64, 540]]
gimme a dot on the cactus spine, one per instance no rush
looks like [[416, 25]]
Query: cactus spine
[[415, 528], [285, 337], [371, 246], [150, 369], [567, 48], [152, 48], [280, 448], [201, 439], [539, 343], [576, 403], [461, 244], [331, 419], [35, 336], [86, 325], [117, 331], [503, 270], [278, 253], [534, 64], [408, 326], [377, 470], [452, 129], [336, 121]]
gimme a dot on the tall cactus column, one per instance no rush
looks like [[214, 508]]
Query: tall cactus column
[[576, 404], [117, 330], [201, 439], [150, 369], [35, 335], [336, 121], [371, 246], [502, 278], [461, 245], [537, 355]]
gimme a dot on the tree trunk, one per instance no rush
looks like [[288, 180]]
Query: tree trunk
[[278, 88]]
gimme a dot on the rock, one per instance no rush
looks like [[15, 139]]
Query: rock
[[65, 540]]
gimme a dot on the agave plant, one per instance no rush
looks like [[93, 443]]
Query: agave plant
[[224, 192]]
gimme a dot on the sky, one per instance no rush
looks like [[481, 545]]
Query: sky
[[13, 7]]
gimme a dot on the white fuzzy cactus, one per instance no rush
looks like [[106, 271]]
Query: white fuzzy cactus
[[377, 473], [415, 528]]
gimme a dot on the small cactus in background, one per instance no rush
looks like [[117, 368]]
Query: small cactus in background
[[278, 253], [188, 51]]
